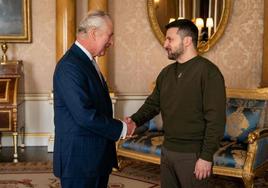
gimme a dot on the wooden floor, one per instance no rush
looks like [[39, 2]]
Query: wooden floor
[[28, 154]]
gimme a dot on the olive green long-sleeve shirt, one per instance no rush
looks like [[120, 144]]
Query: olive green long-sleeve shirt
[[191, 99]]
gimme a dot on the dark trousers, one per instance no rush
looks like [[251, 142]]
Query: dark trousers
[[177, 170], [96, 182]]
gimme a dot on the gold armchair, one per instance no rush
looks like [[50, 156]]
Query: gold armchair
[[252, 154], [244, 148]]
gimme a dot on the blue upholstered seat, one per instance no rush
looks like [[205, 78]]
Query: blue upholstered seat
[[146, 143], [261, 153], [231, 154], [244, 148], [243, 117], [148, 138]]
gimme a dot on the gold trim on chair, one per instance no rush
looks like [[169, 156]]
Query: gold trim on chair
[[221, 170], [261, 93]]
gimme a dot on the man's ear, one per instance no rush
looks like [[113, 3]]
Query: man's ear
[[187, 41], [92, 33]]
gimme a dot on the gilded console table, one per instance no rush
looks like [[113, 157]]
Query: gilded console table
[[11, 104]]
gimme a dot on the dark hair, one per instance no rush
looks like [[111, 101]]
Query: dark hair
[[187, 28]]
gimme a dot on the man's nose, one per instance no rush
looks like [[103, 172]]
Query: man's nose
[[165, 44], [111, 42]]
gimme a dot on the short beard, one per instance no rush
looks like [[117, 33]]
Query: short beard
[[174, 56], [179, 51]]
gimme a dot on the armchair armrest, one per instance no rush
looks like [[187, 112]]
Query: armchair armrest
[[257, 134], [257, 155]]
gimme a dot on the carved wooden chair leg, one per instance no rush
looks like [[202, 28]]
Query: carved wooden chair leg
[[15, 144], [248, 181], [119, 166], [122, 163]]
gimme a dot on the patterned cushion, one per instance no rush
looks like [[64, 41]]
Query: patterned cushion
[[243, 116], [231, 154], [150, 143], [262, 152]]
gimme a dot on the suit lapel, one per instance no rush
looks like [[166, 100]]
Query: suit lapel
[[81, 55]]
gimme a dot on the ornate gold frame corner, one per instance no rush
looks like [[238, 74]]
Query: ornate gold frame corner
[[26, 35]]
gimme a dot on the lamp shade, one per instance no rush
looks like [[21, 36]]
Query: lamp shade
[[171, 20], [209, 22], [199, 22]]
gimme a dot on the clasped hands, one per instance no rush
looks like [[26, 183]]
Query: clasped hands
[[131, 126]]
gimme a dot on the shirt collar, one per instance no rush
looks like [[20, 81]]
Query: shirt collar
[[84, 50]]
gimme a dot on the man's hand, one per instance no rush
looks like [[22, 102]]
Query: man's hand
[[202, 169], [131, 126]]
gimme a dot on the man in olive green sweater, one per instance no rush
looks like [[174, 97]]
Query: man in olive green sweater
[[190, 94]]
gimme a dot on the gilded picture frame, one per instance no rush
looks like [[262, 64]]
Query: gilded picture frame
[[15, 21]]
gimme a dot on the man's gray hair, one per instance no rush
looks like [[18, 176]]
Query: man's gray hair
[[94, 19]]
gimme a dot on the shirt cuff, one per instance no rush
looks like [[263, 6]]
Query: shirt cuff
[[124, 130]]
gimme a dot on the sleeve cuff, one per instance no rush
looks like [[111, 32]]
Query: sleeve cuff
[[124, 130], [206, 157]]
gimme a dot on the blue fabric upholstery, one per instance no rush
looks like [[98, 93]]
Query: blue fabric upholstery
[[262, 152], [243, 116], [231, 154], [150, 143]]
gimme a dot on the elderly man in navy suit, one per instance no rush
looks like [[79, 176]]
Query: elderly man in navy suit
[[85, 131]]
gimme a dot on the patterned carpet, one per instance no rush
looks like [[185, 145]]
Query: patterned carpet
[[44, 180], [151, 172], [25, 167], [132, 174], [38, 175]]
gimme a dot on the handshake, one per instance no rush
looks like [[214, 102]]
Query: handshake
[[131, 126]]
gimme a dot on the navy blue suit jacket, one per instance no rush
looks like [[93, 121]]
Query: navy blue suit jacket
[[85, 131]]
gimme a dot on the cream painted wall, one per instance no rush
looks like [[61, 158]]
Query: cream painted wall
[[137, 57]]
